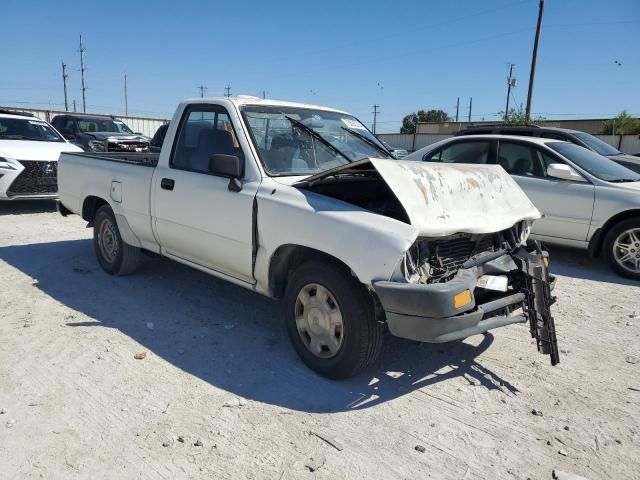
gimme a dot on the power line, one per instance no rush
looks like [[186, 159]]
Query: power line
[[126, 99], [534, 59], [82, 69], [375, 117], [64, 82], [509, 85], [202, 88]]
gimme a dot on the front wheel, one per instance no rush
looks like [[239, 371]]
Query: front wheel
[[331, 320], [622, 248], [114, 255]]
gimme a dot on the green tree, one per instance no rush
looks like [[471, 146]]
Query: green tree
[[409, 121], [623, 124], [518, 116]]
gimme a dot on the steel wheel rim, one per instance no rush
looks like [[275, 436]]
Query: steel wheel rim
[[319, 321], [108, 240], [626, 250]]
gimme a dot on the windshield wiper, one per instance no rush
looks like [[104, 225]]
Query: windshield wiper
[[317, 136], [624, 180], [368, 141], [14, 137]]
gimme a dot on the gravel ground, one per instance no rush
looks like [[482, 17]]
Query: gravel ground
[[220, 392]]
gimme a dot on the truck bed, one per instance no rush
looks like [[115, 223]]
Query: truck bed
[[145, 159]]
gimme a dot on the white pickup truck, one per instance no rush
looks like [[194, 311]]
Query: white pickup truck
[[302, 203]]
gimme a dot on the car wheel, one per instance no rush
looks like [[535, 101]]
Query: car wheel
[[331, 320], [114, 255], [622, 248]]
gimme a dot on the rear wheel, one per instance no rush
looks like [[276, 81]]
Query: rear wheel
[[114, 255], [622, 248], [331, 320]]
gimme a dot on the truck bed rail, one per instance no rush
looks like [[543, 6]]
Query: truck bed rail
[[144, 159]]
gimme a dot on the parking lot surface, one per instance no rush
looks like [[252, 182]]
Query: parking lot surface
[[170, 373]]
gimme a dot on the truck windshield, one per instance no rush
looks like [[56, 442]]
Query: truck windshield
[[597, 165], [88, 125], [27, 129], [300, 141]]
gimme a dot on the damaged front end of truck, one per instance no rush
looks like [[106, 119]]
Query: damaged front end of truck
[[470, 269]]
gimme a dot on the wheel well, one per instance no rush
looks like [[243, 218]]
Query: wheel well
[[90, 207], [595, 245], [289, 257]]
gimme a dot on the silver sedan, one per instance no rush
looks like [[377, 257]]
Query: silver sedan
[[588, 201]]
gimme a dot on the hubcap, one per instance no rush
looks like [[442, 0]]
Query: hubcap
[[108, 240], [626, 250], [319, 321]]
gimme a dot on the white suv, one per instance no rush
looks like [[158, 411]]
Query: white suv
[[587, 200], [29, 151]]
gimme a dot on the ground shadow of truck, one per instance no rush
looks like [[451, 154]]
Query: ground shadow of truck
[[230, 337]]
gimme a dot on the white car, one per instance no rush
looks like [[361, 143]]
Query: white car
[[303, 204], [588, 201], [29, 151]]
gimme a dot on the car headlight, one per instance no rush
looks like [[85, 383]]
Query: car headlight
[[5, 165], [96, 145]]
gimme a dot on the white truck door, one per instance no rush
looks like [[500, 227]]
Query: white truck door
[[197, 217]]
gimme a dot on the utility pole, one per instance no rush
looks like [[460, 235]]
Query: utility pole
[[126, 99], [509, 85], [457, 109], [264, 94], [534, 59], [64, 82], [202, 88], [375, 117], [470, 104], [82, 69], [74, 106], [228, 89]]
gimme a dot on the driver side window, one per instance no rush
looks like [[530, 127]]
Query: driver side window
[[524, 160]]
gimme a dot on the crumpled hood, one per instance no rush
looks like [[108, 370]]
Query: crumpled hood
[[35, 150], [441, 200], [118, 136]]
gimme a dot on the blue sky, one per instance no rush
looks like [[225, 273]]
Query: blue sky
[[349, 54]]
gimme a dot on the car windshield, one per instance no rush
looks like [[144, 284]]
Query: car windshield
[[27, 129], [603, 148], [597, 165], [300, 141], [88, 125]]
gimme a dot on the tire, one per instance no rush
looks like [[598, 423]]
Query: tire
[[114, 255], [327, 288], [625, 233]]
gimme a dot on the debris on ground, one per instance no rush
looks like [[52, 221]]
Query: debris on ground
[[560, 475], [563, 453], [180, 438], [314, 464], [140, 356], [537, 413], [197, 443], [419, 448], [328, 440], [235, 402], [11, 422]]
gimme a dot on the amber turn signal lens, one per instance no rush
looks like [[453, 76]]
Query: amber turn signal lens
[[546, 261], [462, 299]]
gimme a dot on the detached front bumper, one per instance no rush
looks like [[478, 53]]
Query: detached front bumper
[[428, 312]]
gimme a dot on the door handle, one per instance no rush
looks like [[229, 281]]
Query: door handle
[[167, 183]]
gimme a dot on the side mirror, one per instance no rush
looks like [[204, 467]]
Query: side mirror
[[67, 134], [564, 172], [228, 166]]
